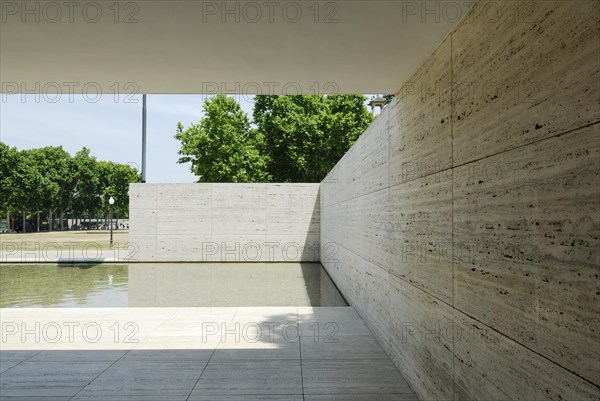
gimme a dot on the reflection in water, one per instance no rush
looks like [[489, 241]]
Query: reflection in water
[[165, 284], [49, 285], [231, 284]]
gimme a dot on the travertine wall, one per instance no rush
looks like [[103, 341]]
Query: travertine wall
[[224, 222], [464, 224]]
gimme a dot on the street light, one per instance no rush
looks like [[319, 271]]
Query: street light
[[111, 202]]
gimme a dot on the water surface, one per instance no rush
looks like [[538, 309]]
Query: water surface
[[167, 285]]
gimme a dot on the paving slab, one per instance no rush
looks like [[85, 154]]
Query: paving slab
[[36, 379], [147, 378], [375, 376], [342, 347], [271, 377]]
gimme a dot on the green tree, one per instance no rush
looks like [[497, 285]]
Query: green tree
[[34, 184], [9, 158], [115, 180], [29, 183], [305, 136], [87, 196], [56, 167], [49, 179], [222, 147]]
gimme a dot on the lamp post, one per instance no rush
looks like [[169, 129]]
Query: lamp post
[[111, 202]]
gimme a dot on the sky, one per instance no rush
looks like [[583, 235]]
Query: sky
[[110, 126]]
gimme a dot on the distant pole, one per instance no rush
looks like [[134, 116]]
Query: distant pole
[[111, 228], [144, 138], [111, 202]]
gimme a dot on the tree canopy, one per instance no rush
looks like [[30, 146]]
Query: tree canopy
[[291, 138], [222, 147], [52, 181]]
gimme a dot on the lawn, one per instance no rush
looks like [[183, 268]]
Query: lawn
[[64, 239]]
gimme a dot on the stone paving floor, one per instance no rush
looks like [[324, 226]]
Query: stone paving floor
[[216, 354]]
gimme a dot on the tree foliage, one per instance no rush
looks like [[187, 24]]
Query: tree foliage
[[292, 138], [49, 180], [8, 164], [222, 147], [307, 135], [388, 98], [114, 182]]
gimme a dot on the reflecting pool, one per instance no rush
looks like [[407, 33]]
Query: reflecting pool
[[167, 285]]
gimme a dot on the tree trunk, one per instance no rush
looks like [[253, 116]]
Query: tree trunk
[[117, 223], [24, 221], [8, 219], [38, 221], [50, 220], [62, 221]]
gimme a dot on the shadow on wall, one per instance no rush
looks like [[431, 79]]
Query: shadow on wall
[[311, 246], [320, 288]]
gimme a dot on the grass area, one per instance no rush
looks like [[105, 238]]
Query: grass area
[[65, 239]]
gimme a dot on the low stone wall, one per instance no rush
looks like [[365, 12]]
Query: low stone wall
[[224, 222]]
